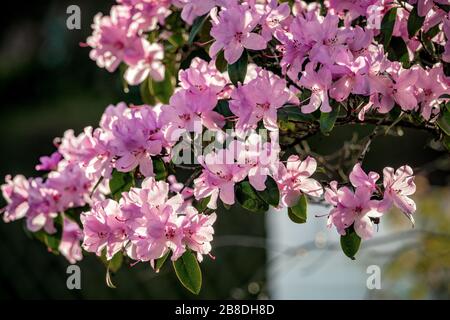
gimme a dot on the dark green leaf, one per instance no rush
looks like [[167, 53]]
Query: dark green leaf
[[444, 7], [238, 70], [298, 213], [120, 182], [52, 241], [350, 243], [328, 119], [398, 51], [146, 96], [293, 113], [221, 63], [387, 27], [160, 262], [188, 272], [271, 195], [163, 89], [444, 121], [248, 199], [196, 27], [200, 53], [414, 22], [159, 168], [446, 142], [116, 262], [202, 204], [223, 108]]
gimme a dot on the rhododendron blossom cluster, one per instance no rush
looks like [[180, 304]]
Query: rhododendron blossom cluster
[[234, 86]]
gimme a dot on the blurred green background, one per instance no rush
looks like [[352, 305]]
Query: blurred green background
[[48, 84]]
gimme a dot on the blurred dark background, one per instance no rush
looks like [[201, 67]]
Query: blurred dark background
[[48, 84]]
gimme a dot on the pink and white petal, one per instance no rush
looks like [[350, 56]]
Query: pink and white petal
[[364, 227], [136, 74], [227, 193], [254, 41]]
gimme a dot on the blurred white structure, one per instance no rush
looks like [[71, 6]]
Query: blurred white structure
[[305, 260]]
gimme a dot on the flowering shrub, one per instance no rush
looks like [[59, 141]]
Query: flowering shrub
[[229, 89]]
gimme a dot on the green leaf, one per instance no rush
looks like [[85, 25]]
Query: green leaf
[[444, 7], [387, 27], [200, 52], [160, 262], [116, 262], [398, 51], [238, 70], [350, 243], [146, 96], [248, 198], [162, 89], [328, 119], [414, 22], [298, 213], [223, 108], [159, 168], [293, 113], [221, 63], [202, 204], [444, 121], [271, 195], [196, 27], [52, 241], [120, 182], [188, 272], [446, 142]]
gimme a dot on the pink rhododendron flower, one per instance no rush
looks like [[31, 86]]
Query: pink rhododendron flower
[[273, 17], [137, 137], [387, 92], [319, 83], [15, 192], [219, 175], [232, 30], [294, 180], [201, 76], [258, 101], [355, 208], [198, 231], [398, 185], [70, 242], [150, 65], [43, 206], [188, 111], [112, 41], [431, 86], [165, 224], [146, 14], [194, 8], [261, 158], [360, 179], [49, 163], [104, 228]]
